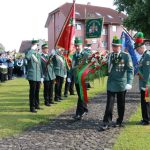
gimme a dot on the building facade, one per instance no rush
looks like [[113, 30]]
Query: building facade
[[112, 24]]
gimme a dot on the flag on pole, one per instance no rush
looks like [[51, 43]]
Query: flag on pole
[[128, 43], [67, 34]]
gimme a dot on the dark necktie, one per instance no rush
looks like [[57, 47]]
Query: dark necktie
[[115, 56]]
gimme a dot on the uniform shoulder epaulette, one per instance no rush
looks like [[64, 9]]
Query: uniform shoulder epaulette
[[110, 53], [124, 52], [148, 51]]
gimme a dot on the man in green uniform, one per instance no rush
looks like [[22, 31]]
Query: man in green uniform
[[33, 75], [69, 84], [120, 77], [144, 76], [60, 72], [48, 75], [77, 58]]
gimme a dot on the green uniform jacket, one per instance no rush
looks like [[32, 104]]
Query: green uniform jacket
[[120, 73], [33, 68], [48, 73], [77, 59], [144, 68], [86, 52], [59, 66]]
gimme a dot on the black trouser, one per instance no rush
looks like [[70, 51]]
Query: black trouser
[[81, 105], [48, 91], [58, 86], [110, 104], [2, 77], [145, 108], [69, 86], [10, 73], [34, 94], [87, 85], [19, 71]]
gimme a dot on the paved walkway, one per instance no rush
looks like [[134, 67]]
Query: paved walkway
[[63, 133]]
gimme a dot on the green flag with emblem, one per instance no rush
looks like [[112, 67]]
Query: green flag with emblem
[[94, 28]]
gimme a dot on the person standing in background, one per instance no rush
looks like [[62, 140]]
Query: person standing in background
[[60, 72], [48, 75], [34, 75], [144, 76]]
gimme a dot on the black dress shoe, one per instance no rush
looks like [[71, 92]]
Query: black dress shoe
[[65, 95], [85, 113], [33, 111], [52, 103], [142, 122], [72, 94], [47, 104], [57, 100], [121, 125], [103, 128], [37, 107], [60, 98], [77, 117]]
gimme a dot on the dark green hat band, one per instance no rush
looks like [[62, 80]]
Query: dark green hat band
[[78, 41], [44, 46], [35, 41]]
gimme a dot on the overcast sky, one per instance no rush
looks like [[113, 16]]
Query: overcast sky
[[25, 19]]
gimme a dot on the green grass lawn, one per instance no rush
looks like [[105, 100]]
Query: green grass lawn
[[134, 137], [14, 106]]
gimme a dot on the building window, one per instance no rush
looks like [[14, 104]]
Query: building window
[[94, 41], [78, 26], [104, 31], [104, 44], [114, 28]]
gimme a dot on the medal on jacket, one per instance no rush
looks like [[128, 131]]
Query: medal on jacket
[[115, 59]]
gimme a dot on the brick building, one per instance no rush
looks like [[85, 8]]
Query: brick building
[[112, 23]]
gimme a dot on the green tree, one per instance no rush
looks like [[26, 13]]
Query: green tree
[[138, 12]]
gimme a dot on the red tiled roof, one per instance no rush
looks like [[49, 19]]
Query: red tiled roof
[[111, 16]]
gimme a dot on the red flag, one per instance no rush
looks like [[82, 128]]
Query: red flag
[[66, 37]]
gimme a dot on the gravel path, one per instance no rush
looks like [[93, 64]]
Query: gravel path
[[63, 133]]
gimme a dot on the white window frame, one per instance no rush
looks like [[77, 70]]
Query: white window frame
[[78, 26], [114, 28], [104, 44], [104, 31], [94, 41]]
